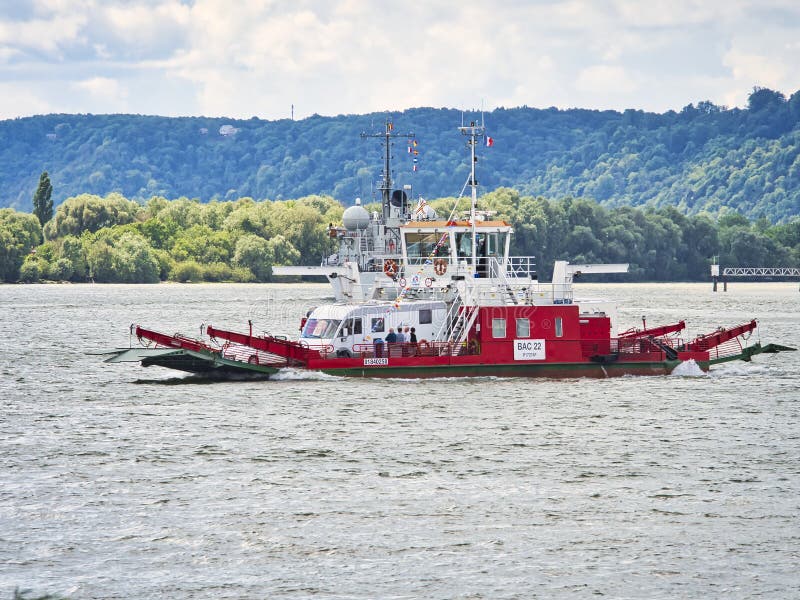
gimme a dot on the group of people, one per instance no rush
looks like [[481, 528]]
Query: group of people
[[403, 335], [405, 338]]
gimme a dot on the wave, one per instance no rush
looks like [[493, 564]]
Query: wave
[[290, 374], [689, 368]]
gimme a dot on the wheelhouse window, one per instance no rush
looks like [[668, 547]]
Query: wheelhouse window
[[559, 327], [523, 328], [425, 316], [320, 328], [498, 328], [421, 245], [464, 245]]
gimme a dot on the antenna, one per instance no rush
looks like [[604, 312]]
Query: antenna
[[474, 132], [386, 182]]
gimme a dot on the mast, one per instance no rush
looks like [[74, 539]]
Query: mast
[[474, 132], [385, 184]]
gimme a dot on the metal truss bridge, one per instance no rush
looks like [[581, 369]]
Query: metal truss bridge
[[760, 272]]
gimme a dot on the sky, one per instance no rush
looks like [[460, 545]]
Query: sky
[[246, 58]]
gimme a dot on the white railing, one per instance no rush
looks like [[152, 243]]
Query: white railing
[[521, 266], [449, 320]]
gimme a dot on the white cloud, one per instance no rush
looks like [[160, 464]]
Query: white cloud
[[45, 35], [605, 80], [257, 57], [12, 97], [106, 90]]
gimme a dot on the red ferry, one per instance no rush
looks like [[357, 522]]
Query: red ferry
[[455, 304]]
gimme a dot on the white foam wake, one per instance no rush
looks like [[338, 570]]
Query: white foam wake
[[290, 374], [689, 368]]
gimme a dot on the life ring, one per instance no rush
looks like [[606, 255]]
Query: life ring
[[253, 360], [428, 282], [423, 346], [402, 282], [440, 266], [390, 268], [474, 346]]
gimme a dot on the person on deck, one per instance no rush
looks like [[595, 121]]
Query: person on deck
[[402, 339], [391, 337]]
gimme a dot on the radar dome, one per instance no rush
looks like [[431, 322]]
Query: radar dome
[[355, 217]]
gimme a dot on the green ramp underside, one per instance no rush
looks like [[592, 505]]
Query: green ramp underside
[[207, 363], [747, 353]]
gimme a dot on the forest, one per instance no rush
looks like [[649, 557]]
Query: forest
[[701, 159], [115, 239]]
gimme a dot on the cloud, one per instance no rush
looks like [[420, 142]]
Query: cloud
[[108, 91], [605, 80], [45, 36], [344, 56], [12, 97]]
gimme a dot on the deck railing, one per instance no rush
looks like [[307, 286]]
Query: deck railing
[[409, 349]]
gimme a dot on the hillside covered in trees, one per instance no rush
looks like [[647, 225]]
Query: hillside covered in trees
[[703, 158], [114, 239]]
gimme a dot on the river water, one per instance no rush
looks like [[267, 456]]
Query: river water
[[123, 482]]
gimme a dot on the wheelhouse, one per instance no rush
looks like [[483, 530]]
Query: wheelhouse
[[457, 246]]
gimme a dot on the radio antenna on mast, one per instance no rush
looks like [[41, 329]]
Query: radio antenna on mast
[[385, 185]]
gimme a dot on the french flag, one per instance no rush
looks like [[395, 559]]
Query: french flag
[[489, 141]]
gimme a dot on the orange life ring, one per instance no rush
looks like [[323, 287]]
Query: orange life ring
[[440, 266], [423, 346], [390, 268]]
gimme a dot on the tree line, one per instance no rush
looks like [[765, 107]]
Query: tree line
[[114, 239], [701, 158]]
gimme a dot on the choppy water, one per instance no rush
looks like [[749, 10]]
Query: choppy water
[[123, 482]]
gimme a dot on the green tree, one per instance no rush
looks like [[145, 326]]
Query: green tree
[[42, 202], [30, 271], [62, 270], [90, 213], [254, 253], [130, 259], [19, 234], [72, 250], [283, 251], [201, 243]]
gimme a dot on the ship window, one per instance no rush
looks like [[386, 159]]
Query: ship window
[[498, 328], [523, 328], [425, 316], [320, 328], [377, 325], [464, 244], [420, 246], [559, 327], [352, 327]]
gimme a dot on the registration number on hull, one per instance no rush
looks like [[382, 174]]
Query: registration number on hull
[[374, 362]]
